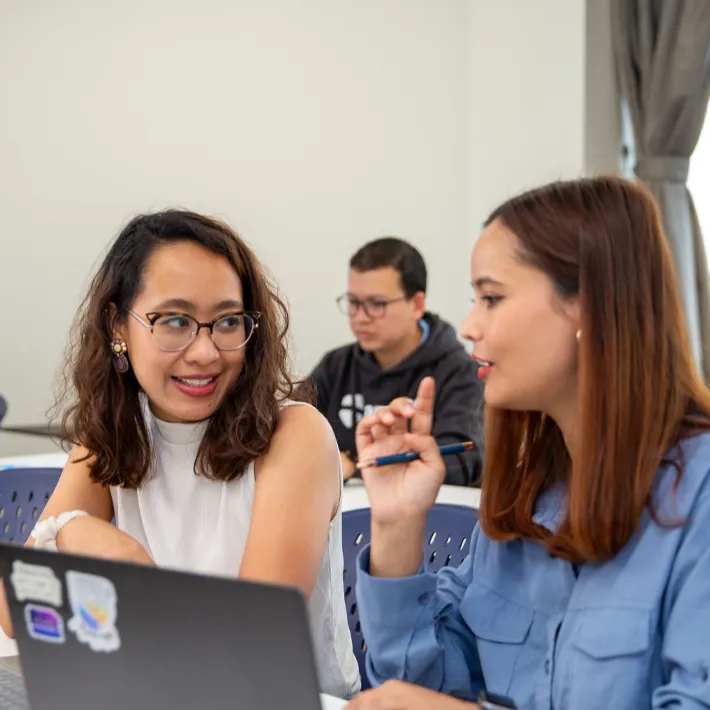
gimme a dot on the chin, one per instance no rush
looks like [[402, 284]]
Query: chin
[[494, 397], [509, 402], [200, 409]]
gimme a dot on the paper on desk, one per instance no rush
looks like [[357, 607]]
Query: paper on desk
[[328, 702]]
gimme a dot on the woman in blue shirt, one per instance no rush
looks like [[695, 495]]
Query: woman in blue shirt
[[587, 585]]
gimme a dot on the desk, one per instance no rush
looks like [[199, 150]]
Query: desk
[[7, 646], [53, 460], [327, 702], [13, 444], [49, 431], [355, 495]]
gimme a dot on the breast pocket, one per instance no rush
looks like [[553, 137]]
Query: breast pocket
[[501, 628], [611, 655]]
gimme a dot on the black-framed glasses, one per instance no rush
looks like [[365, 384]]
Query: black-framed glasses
[[175, 331], [372, 307]]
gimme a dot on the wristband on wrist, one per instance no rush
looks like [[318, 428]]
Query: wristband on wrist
[[45, 532]]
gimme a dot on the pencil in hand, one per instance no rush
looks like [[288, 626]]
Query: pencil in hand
[[409, 456]]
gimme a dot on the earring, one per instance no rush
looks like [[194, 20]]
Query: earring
[[579, 336], [120, 361]]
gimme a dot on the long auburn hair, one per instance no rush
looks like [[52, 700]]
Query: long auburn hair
[[101, 409], [640, 393]]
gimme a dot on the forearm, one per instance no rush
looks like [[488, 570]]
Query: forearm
[[5, 620], [396, 549], [414, 631], [96, 538]]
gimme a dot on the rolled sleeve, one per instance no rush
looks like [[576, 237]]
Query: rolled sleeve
[[414, 631]]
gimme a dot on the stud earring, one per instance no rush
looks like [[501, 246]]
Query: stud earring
[[579, 336], [120, 361]]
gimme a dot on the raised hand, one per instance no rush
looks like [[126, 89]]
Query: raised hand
[[404, 490]]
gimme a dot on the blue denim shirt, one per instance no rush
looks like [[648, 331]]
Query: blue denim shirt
[[630, 634]]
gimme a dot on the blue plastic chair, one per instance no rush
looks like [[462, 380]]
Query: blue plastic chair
[[448, 532], [23, 494]]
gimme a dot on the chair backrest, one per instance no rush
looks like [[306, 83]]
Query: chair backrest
[[448, 532], [3, 408], [23, 494]]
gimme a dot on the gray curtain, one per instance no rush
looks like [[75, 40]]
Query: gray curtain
[[662, 52]]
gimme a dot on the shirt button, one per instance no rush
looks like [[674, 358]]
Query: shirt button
[[547, 666], [704, 674], [424, 598]]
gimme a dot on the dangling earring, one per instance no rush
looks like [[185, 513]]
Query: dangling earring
[[120, 361], [579, 336]]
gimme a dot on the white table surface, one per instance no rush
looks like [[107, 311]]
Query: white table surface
[[354, 493], [328, 702], [54, 460]]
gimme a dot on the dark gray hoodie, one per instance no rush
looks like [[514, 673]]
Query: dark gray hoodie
[[350, 384]]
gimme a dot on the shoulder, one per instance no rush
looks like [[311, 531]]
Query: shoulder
[[458, 359], [303, 453], [679, 496], [332, 365], [300, 425], [337, 355], [457, 369]]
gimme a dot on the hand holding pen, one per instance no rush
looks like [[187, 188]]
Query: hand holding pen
[[401, 490]]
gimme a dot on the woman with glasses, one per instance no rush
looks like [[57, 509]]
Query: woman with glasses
[[177, 400]]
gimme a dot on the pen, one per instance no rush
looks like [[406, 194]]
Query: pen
[[408, 457]]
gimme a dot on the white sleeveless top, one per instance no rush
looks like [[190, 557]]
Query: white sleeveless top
[[194, 524]]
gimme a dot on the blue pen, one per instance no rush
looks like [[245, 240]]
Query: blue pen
[[410, 456]]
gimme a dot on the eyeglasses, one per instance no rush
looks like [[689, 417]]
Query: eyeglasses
[[175, 331], [372, 307]]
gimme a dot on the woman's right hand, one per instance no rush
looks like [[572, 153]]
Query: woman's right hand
[[402, 492]]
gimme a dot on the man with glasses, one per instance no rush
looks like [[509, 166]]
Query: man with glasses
[[398, 344]]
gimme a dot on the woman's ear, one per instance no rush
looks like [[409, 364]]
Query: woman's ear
[[573, 310], [113, 322]]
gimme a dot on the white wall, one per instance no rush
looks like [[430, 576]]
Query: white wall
[[544, 100], [311, 126], [603, 132], [527, 61]]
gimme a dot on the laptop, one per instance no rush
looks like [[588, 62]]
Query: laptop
[[100, 634]]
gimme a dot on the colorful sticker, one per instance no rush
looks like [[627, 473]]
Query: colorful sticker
[[93, 602], [44, 624], [36, 582]]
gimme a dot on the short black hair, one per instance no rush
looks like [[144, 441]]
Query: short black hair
[[398, 254]]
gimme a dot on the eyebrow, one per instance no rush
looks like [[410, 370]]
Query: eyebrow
[[485, 281], [188, 305]]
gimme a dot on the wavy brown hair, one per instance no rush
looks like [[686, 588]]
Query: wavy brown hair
[[101, 409], [640, 393]]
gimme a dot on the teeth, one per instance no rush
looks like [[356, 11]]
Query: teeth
[[485, 363], [196, 383]]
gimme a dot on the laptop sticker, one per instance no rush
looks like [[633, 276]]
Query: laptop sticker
[[44, 624], [93, 604], [35, 582]]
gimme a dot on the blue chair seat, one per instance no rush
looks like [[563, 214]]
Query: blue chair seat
[[23, 494], [446, 542]]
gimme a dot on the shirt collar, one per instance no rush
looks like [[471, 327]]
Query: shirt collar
[[551, 507]]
